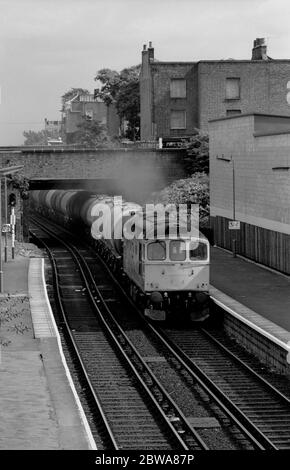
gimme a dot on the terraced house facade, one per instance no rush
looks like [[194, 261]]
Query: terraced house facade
[[177, 97]]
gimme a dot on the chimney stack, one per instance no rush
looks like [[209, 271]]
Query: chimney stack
[[151, 51], [259, 51]]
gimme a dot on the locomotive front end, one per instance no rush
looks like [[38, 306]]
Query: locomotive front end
[[176, 278], [171, 275]]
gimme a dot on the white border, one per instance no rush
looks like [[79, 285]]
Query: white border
[[89, 435]]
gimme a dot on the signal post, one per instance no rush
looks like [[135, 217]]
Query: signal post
[[12, 201]]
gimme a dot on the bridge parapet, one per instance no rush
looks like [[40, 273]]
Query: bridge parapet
[[132, 168], [130, 172], [82, 163]]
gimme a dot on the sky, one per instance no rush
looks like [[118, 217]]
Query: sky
[[49, 46]]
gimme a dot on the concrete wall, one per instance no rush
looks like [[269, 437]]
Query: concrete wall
[[262, 188]]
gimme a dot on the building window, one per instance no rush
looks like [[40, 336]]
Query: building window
[[178, 88], [233, 89], [178, 119], [233, 112]]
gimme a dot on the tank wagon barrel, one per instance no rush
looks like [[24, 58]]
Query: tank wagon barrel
[[165, 275]]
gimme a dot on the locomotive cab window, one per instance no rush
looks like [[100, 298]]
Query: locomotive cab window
[[197, 251], [156, 251], [177, 250]]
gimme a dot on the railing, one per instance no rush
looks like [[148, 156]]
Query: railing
[[138, 144]]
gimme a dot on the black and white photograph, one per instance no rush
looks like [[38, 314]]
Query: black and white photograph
[[144, 232]]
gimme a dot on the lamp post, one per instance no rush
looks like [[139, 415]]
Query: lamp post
[[234, 210], [234, 225], [3, 173], [6, 219], [1, 265]]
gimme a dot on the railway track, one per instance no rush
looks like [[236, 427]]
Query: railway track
[[257, 400], [134, 410], [258, 410]]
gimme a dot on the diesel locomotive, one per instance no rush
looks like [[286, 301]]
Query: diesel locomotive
[[166, 277]]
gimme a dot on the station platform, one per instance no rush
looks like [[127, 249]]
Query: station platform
[[261, 290], [257, 305], [39, 407]]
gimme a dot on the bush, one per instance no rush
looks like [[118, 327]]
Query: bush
[[197, 159], [192, 190]]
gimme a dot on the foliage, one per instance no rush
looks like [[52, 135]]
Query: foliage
[[110, 80], [197, 159], [38, 138], [90, 134], [193, 190], [20, 182], [123, 90]]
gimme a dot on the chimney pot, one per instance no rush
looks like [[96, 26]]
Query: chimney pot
[[259, 51], [144, 47], [151, 51]]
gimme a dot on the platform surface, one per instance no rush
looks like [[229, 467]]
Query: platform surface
[[262, 291], [41, 316], [38, 408]]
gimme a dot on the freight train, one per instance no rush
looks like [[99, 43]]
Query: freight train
[[166, 277]]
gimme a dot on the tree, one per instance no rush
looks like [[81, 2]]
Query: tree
[[35, 138], [110, 80], [123, 90], [193, 190], [39, 137], [197, 159], [90, 134], [20, 182]]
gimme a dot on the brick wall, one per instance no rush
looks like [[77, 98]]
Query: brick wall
[[263, 85], [98, 164], [138, 172], [162, 102], [102, 113], [263, 88], [145, 81], [268, 352], [262, 195]]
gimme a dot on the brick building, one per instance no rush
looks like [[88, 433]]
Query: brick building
[[250, 182], [52, 127], [85, 107], [176, 97]]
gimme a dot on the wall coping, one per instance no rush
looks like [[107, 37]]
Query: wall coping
[[248, 115]]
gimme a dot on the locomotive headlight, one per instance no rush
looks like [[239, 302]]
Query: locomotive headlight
[[165, 295]]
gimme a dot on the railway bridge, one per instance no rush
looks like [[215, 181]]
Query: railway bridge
[[133, 173], [129, 172]]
